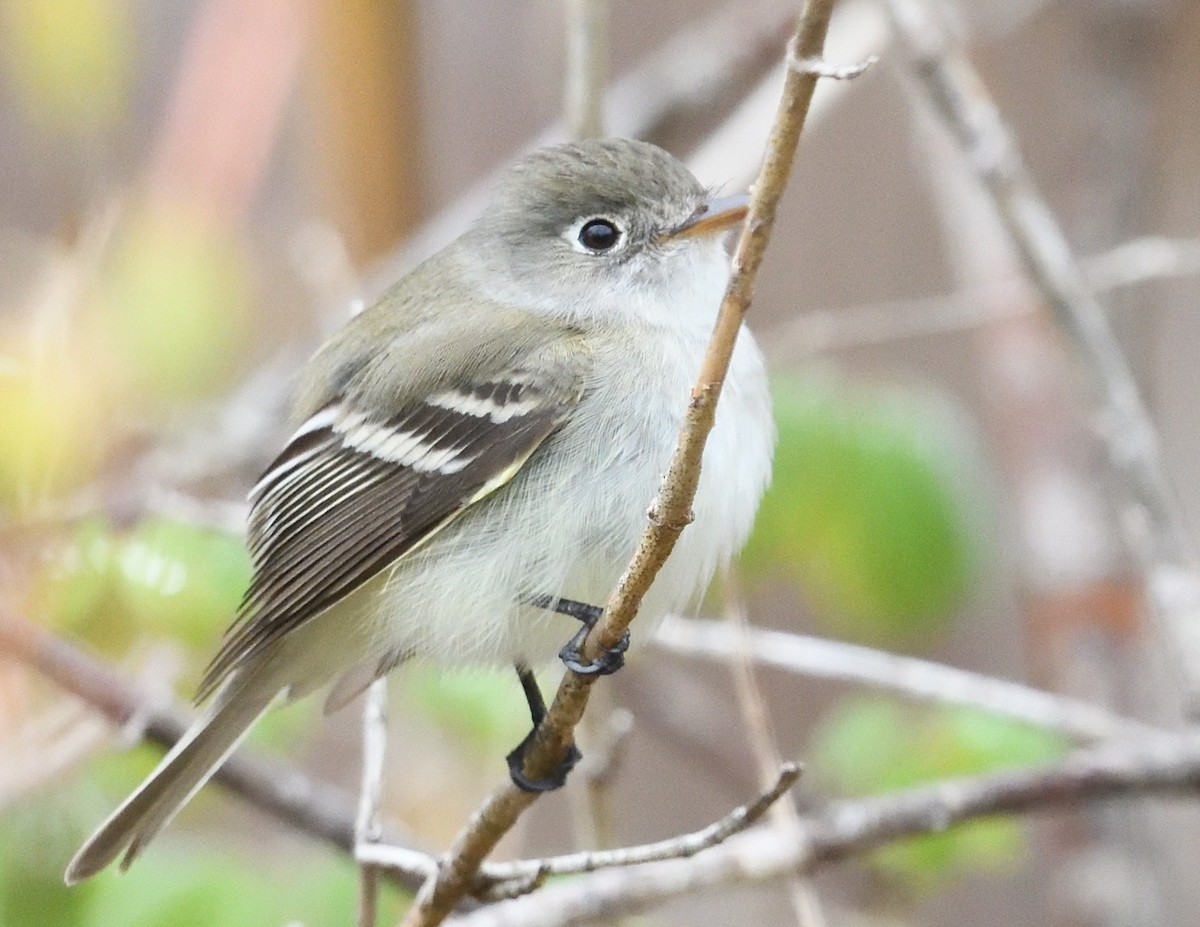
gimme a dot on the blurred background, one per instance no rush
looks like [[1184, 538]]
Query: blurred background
[[194, 191]]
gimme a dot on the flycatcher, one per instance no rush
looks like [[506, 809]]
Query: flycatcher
[[475, 453]]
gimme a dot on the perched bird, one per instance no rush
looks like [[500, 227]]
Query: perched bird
[[474, 455]]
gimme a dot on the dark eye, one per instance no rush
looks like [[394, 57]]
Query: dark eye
[[599, 235]]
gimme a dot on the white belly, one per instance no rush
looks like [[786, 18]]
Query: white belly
[[569, 529]]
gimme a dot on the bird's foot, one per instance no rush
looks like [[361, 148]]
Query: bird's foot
[[556, 779], [605, 663]]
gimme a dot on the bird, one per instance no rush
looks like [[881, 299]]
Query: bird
[[473, 455]]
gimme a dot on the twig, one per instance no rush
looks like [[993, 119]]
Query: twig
[[685, 845], [1151, 513], [850, 828], [668, 516], [47, 747], [603, 734], [367, 828], [908, 676], [761, 734], [499, 880], [1137, 261], [859, 32], [282, 791]]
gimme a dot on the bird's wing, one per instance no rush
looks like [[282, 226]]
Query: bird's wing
[[354, 492]]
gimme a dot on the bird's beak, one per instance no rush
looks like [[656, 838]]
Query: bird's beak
[[713, 216]]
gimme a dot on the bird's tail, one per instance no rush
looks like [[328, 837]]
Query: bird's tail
[[189, 764]]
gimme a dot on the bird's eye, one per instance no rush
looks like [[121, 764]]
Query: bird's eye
[[599, 235]]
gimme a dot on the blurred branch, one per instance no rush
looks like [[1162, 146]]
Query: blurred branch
[[604, 733], [1140, 260], [669, 514], [851, 828], [908, 676], [1151, 519], [46, 748], [587, 66], [318, 810], [761, 734], [367, 827], [228, 101], [1153, 257]]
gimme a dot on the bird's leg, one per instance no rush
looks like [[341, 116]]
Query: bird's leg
[[608, 661], [516, 759]]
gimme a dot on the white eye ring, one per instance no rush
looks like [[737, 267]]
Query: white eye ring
[[596, 235]]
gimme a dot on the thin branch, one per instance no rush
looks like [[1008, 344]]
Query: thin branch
[[603, 735], [907, 676], [367, 827], [318, 810], [851, 828], [527, 873], [41, 750], [763, 741], [860, 32], [1139, 260], [1151, 518], [739, 819], [669, 515], [587, 67]]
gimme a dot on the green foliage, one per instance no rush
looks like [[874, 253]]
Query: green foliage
[[50, 423], [486, 709], [182, 580], [870, 745], [866, 512], [172, 884], [77, 580], [176, 311], [69, 60], [166, 577]]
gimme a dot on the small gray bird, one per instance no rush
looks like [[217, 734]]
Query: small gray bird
[[475, 453]]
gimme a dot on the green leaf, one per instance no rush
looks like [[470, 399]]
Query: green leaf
[[78, 578], [69, 60], [176, 319], [181, 580], [219, 878], [867, 512], [483, 707], [51, 423], [871, 745]]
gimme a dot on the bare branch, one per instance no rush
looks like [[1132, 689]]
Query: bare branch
[[685, 845], [1151, 519], [761, 734], [907, 676], [669, 515], [850, 828], [367, 827], [316, 809], [603, 735], [508, 880], [859, 32], [1137, 261], [587, 66]]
